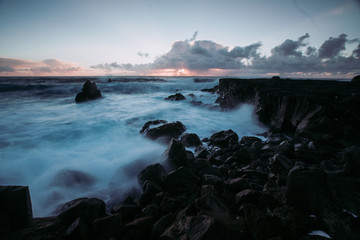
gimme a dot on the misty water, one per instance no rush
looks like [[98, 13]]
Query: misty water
[[63, 150]]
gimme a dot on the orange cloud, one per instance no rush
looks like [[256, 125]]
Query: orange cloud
[[48, 67]]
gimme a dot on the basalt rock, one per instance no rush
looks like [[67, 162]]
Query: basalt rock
[[190, 140], [89, 92], [176, 97], [223, 138], [164, 132]]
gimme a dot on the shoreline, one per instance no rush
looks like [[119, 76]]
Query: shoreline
[[304, 178]]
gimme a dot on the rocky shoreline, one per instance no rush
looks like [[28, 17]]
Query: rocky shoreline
[[302, 182]]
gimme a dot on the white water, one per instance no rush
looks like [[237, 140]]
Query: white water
[[43, 132]]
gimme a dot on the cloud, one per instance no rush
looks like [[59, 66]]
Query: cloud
[[333, 46], [46, 67], [291, 57], [141, 54]]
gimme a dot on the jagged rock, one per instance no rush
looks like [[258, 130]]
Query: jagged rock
[[161, 225], [109, 226], [154, 172], [78, 230], [306, 188], [151, 210], [190, 140], [15, 208], [181, 180], [169, 204], [163, 132], [127, 212], [175, 155], [223, 138], [153, 124], [140, 228], [89, 92], [212, 206], [176, 97], [248, 141], [356, 80], [237, 185], [150, 189], [88, 209]]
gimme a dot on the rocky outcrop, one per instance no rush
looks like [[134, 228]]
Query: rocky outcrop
[[160, 129], [306, 107], [89, 92], [176, 97]]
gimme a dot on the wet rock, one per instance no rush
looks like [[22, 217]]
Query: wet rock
[[88, 209], [151, 210], [248, 141], [78, 230], [164, 132], [306, 188], [89, 92], [150, 189], [140, 228], [176, 97], [201, 153], [237, 184], [161, 225], [351, 160], [190, 140], [15, 208], [169, 204], [212, 206], [127, 212], [153, 124], [223, 138], [109, 226], [154, 172], [181, 180], [175, 155]]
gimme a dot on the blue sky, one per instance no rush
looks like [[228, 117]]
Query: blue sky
[[111, 37]]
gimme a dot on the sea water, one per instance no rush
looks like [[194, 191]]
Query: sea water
[[63, 150]]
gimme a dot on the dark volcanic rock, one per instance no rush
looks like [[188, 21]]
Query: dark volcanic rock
[[89, 92], [109, 226], [154, 172], [140, 228], [356, 80], [176, 97], [223, 138], [175, 155], [15, 208], [306, 188], [190, 140], [88, 209], [164, 132], [181, 180], [78, 230]]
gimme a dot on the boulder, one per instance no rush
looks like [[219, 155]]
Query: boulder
[[89, 92], [140, 228], [15, 208], [163, 132], [356, 80], [150, 189], [176, 97], [181, 181], [306, 188], [175, 155], [109, 226], [190, 140], [78, 230], [223, 138], [154, 172], [248, 140], [88, 209], [153, 123]]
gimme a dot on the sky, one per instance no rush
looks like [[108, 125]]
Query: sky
[[244, 38]]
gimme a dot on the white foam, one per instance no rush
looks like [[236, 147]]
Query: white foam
[[319, 233]]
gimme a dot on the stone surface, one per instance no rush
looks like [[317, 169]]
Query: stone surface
[[165, 132], [176, 97], [190, 140], [89, 92]]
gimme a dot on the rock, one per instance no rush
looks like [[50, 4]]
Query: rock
[[151, 210], [237, 184], [164, 132], [248, 141], [190, 140], [201, 153], [223, 138], [153, 124], [15, 208], [140, 228], [275, 77], [306, 188], [175, 155], [89, 92], [88, 209], [356, 80], [212, 206], [176, 97], [154, 172], [127, 212], [109, 226], [150, 189], [181, 180], [280, 164], [78, 230], [169, 204], [73, 179], [161, 225], [351, 159]]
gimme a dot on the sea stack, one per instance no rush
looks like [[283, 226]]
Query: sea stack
[[89, 92]]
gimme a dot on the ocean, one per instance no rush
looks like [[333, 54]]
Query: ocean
[[65, 150]]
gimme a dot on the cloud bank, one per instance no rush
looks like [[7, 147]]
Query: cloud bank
[[291, 58], [46, 67]]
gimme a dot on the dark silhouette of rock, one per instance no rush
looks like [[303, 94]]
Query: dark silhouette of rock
[[109, 226], [275, 77], [356, 80], [176, 97], [175, 155], [181, 181], [89, 92], [140, 228], [15, 208], [88, 209], [164, 132], [153, 124], [78, 230], [154, 172], [223, 138], [190, 140]]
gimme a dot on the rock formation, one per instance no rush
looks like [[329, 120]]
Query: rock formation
[[89, 92]]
